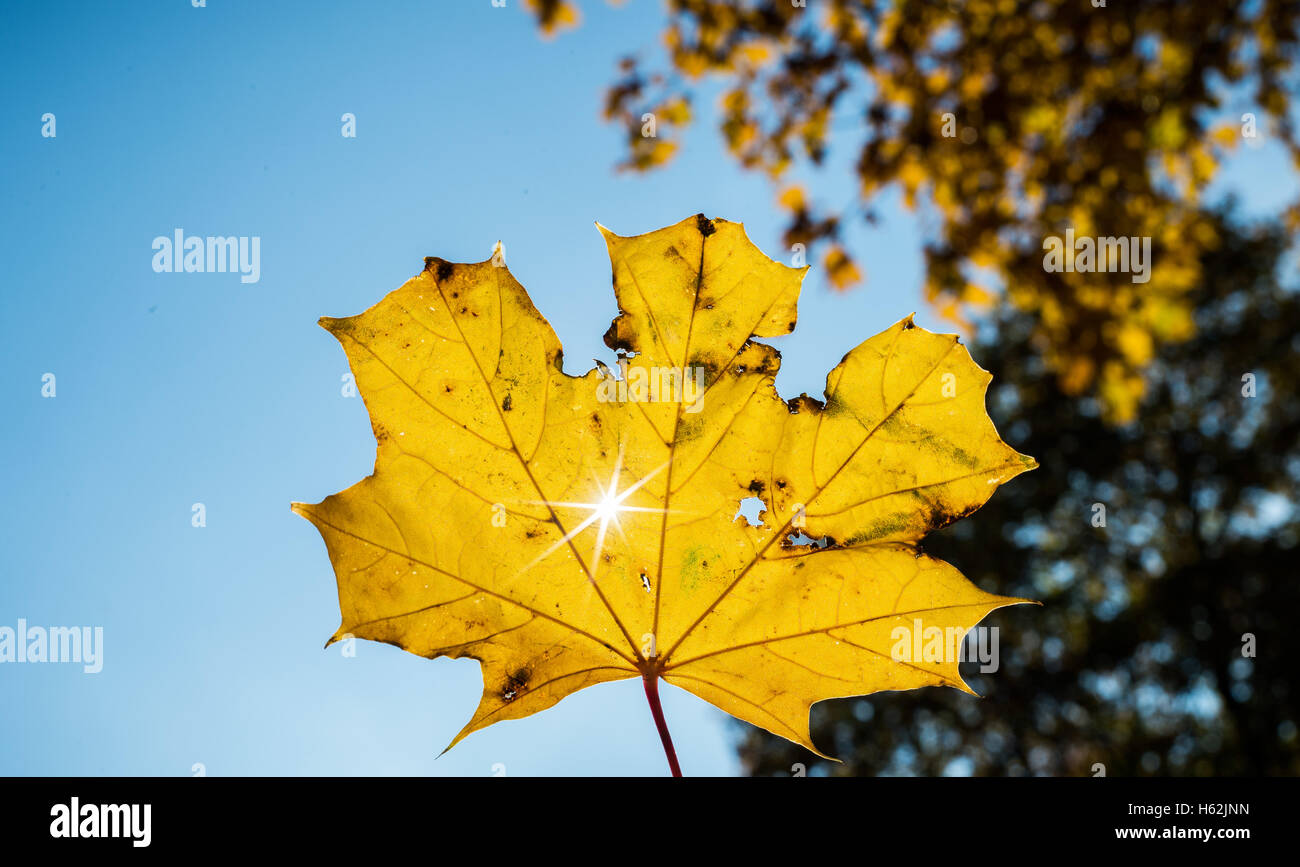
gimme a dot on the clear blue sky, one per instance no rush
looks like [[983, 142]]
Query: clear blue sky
[[174, 389]]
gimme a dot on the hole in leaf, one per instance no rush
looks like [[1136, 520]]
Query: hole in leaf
[[805, 539], [750, 508]]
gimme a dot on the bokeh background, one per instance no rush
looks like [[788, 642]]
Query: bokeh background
[[475, 124]]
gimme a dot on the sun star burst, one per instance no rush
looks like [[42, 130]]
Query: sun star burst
[[604, 511]]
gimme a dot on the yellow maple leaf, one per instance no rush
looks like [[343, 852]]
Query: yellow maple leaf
[[569, 530]]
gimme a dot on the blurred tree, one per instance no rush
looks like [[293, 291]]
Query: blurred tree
[[1135, 661], [1010, 120]]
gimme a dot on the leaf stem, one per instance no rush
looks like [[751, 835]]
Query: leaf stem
[[651, 682]]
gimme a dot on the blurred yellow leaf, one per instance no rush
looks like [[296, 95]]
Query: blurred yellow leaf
[[792, 198], [840, 269], [554, 15]]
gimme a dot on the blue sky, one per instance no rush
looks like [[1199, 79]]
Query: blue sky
[[174, 389]]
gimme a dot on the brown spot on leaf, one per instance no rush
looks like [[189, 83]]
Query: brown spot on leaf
[[515, 683], [441, 268], [616, 341], [942, 517], [804, 403]]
